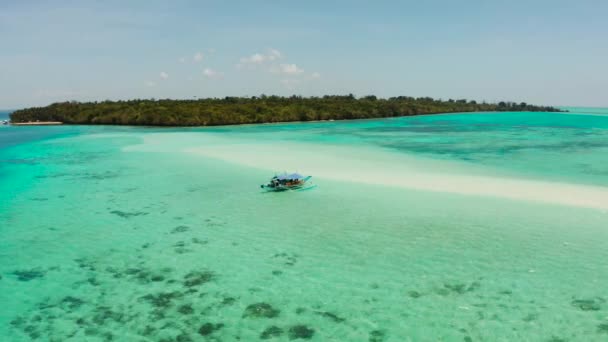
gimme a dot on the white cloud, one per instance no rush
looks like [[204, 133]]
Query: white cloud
[[210, 73], [315, 75], [260, 58], [182, 60], [198, 57], [150, 84], [256, 58], [164, 75], [274, 54], [287, 69]]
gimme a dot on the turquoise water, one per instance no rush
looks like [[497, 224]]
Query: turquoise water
[[149, 234], [587, 110]]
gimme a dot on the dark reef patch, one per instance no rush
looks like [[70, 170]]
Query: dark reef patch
[[183, 337], [90, 331], [104, 313], [157, 277], [162, 299], [209, 328], [139, 275], [376, 336], [180, 247], [98, 175], [71, 303], [180, 229], [442, 291], [602, 328], [85, 264], [197, 278], [185, 309], [148, 331], [271, 332], [93, 281], [17, 321], [126, 214], [588, 304], [461, 288], [96, 315], [261, 310], [414, 294], [27, 275], [199, 241], [228, 301], [288, 259], [32, 332], [213, 223], [530, 317], [331, 316], [556, 339], [300, 331]]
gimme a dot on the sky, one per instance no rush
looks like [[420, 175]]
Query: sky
[[546, 52]]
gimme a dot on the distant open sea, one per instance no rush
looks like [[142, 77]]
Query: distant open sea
[[4, 114], [455, 227]]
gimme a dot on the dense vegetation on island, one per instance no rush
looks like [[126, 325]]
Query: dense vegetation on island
[[246, 110]]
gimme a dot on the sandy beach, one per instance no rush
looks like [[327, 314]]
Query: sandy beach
[[40, 123]]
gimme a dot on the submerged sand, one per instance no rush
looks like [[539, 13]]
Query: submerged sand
[[380, 167], [377, 166]]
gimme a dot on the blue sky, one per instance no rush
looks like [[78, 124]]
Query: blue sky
[[539, 51]]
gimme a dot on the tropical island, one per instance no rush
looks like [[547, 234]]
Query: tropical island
[[252, 110]]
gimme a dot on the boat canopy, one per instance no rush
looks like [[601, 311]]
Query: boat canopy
[[286, 176]]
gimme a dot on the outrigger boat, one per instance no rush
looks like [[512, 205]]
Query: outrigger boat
[[285, 181]]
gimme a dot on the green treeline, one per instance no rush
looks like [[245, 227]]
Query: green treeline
[[246, 110]]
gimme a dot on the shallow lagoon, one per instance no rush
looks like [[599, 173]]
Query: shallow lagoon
[[147, 234]]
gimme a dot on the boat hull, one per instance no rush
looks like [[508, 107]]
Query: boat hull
[[303, 185]]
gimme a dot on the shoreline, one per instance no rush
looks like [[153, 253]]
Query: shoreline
[[257, 110], [40, 123], [47, 123]]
